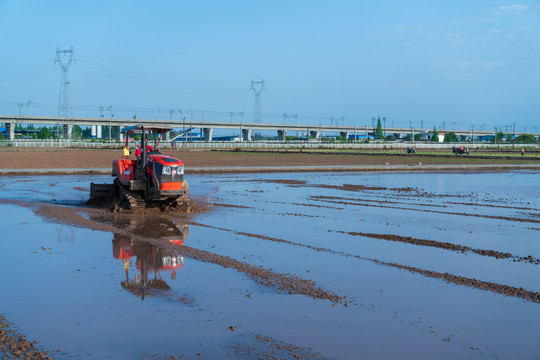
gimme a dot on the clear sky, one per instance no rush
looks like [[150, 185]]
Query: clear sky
[[459, 62]]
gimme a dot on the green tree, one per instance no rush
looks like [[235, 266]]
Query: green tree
[[76, 132], [407, 137], [378, 131], [87, 133], [2, 137], [44, 133], [435, 136], [525, 139], [105, 131], [499, 137], [56, 131], [257, 136], [390, 138], [450, 137]]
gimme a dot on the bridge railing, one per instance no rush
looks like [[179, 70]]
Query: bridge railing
[[30, 143]]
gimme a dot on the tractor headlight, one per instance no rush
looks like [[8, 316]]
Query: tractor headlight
[[180, 170], [166, 170]]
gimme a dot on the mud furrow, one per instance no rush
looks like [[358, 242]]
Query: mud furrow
[[15, 345], [450, 278], [378, 201], [232, 206], [351, 187], [507, 218], [287, 283], [403, 192], [493, 206], [478, 284], [319, 206], [443, 245]]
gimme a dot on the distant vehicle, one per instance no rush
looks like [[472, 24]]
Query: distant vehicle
[[411, 150], [460, 150]]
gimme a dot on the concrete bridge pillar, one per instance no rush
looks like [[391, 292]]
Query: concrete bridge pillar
[[117, 133], [315, 134], [282, 135], [246, 134], [67, 130], [344, 134], [207, 134], [10, 131]]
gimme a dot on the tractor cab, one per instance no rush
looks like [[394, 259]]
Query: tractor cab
[[152, 175]]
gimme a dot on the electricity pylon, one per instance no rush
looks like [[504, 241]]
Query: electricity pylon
[[65, 109], [257, 87]]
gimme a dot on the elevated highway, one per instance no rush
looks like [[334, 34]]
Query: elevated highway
[[207, 127]]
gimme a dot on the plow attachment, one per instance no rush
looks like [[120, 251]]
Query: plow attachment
[[101, 192]]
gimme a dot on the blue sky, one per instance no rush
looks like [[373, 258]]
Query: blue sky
[[453, 62]]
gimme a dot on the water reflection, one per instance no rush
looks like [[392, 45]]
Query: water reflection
[[144, 263]]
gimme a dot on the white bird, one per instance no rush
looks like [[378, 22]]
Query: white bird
[[387, 163], [420, 163]]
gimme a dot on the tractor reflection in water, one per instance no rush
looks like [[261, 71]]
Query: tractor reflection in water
[[146, 258]]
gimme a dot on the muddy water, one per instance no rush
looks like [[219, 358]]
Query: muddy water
[[347, 266]]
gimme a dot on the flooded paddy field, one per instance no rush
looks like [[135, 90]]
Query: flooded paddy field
[[295, 265]]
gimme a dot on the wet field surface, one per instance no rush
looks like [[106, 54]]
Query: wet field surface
[[297, 265]]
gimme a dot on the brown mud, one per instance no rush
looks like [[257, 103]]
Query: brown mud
[[348, 203], [380, 201], [57, 158], [270, 348], [493, 206], [458, 280], [14, 345], [444, 245], [102, 220], [478, 284]]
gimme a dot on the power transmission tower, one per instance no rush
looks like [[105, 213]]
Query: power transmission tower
[[65, 109], [257, 87]]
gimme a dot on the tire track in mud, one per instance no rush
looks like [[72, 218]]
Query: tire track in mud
[[443, 245], [346, 203], [378, 201], [286, 283], [267, 347], [494, 206], [402, 192], [502, 289]]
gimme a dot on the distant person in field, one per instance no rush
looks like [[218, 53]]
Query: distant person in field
[[522, 152]]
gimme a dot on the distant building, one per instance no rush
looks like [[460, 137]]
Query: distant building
[[429, 136]]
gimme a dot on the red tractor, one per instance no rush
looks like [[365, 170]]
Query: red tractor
[[460, 150], [150, 178]]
